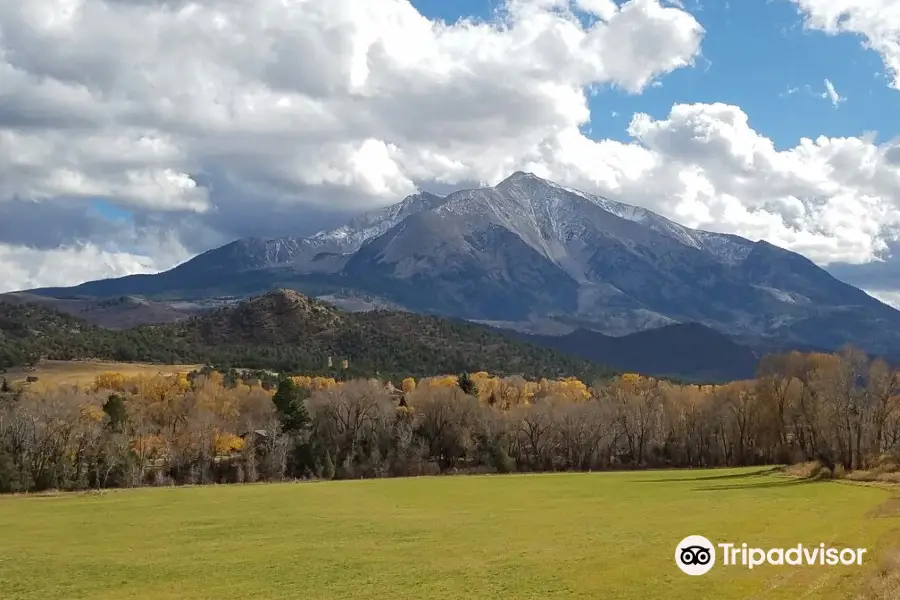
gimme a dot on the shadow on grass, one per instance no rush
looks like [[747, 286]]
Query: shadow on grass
[[759, 473], [782, 483]]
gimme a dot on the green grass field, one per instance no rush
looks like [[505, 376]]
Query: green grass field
[[601, 535]]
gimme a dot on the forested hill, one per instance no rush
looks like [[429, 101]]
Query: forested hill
[[286, 331]]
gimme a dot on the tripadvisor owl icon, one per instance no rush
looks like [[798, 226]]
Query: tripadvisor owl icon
[[695, 555]]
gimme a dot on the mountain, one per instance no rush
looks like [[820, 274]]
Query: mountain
[[322, 252], [689, 351], [529, 251], [284, 330]]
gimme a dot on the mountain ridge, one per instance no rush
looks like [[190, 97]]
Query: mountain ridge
[[287, 331], [688, 351], [118, 312]]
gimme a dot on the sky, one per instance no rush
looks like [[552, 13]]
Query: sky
[[135, 134]]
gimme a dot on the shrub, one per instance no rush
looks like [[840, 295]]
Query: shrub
[[502, 461]]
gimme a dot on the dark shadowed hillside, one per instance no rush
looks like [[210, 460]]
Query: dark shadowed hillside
[[113, 313], [284, 330], [687, 351]]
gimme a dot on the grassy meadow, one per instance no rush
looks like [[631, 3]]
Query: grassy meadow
[[591, 535], [53, 373]]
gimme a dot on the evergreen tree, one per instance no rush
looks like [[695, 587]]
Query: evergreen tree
[[467, 384], [231, 377], [290, 401], [114, 407]]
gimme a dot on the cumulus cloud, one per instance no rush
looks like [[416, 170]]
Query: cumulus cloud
[[877, 21], [122, 249], [832, 199], [227, 115], [135, 98], [889, 297], [212, 119], [27, 268]]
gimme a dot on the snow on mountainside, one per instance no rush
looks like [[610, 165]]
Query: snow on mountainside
[[248, 253], [526, 204], [254, 253], [529, 249], [539, 211], [349, 237], [728, 248]]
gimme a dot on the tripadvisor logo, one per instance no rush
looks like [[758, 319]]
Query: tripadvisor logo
[[696, 555]]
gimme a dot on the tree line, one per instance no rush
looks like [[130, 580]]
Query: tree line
[[842, 409]]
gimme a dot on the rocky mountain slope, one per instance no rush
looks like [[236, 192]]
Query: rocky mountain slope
[[529, 250]]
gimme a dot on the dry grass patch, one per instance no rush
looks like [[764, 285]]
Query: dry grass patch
[[884, 584], [890, 508], [885, 470], [54, 373], [813, 470], [874, 475]]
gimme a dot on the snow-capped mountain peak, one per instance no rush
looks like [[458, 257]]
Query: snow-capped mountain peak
[[348, 238], [545, 215], [553, 207]]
